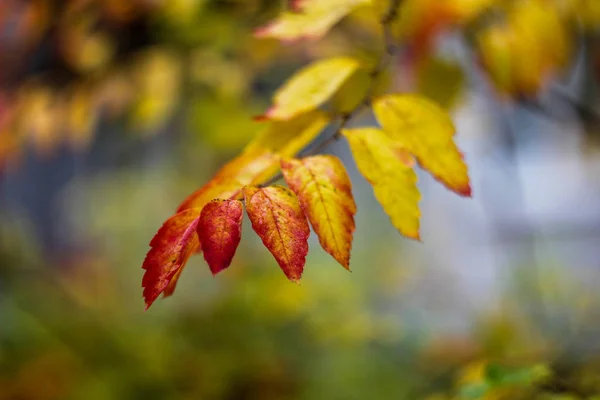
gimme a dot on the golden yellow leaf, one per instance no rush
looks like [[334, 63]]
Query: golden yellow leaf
[[394, 183], [325, 193], [309, 19], [310, 87], [425, 130]]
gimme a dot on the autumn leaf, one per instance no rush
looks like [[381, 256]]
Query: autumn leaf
[[228, 182], [278, 219], [310, 87], [220, 231], [170, 249], [425, 130], [259, 161], [325, 193], [308, 19], [394, 183]]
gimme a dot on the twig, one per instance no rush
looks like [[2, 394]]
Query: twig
[[344, 119]]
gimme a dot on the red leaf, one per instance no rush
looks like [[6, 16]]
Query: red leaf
[[220, 231], [277, 218], [170, 249]]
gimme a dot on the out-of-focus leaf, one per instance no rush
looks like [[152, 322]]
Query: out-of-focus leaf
[[441, 81], [309, 19], [81, 118], [158, 80], [352, 92], [170, 249], [394, 183], [220, 231], [522, 54], [310, 87], [258, 162], [325, 193], [425, 130], [278, 219]]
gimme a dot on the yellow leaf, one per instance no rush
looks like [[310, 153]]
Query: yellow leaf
[[394, 183], [259, 161], [286, 138], [310, 87], [325, 193], [522, 54], [309, 19], [425, 130]]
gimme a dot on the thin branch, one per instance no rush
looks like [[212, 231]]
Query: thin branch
[[388, 55]]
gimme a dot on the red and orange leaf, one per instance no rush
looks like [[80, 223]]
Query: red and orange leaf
[[425, 130], [220, 231], [278, 219], [228, 182], [325, 193], [259, 162], [173, 284], [394, 182], [170, 249]]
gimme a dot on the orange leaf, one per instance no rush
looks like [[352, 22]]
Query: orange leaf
[[310, 87], [220, 231], [325, 193], [259, 162], [278, 219], [244, 170], [170, 249]]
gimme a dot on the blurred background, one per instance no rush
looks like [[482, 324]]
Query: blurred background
[[112, 111]]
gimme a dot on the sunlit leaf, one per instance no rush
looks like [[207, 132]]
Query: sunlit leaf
[[259, 161], [278, 219], [219, 231], [310, 87], [308, 19], [170, 249], [424, 129], [394, 183], [325, 193]]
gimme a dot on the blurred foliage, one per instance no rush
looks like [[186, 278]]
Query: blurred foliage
[[72, 328]]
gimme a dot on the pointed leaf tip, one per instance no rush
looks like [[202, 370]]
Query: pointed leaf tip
[[219, 231], [277, 218], [310, 87], [325, 194], [170, 249]]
